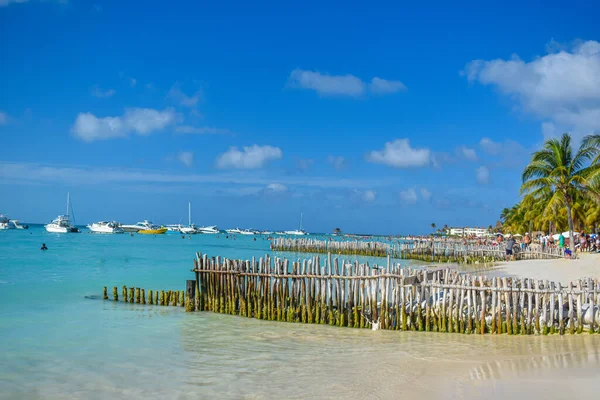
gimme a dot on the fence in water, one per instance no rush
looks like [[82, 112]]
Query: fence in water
[[350, 294], [425, 250]]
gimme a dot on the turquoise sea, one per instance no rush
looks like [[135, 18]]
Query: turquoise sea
[[56, 343]]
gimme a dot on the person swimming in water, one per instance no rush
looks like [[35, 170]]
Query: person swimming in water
[[43, 247]]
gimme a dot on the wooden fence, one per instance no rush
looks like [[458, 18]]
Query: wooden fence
[[350, 294], [428, 251]]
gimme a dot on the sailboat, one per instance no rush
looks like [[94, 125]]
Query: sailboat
[[297, 232], [191, 228], [62, 224]]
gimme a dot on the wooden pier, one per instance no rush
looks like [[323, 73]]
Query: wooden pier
[[425, 250], [350, 294]]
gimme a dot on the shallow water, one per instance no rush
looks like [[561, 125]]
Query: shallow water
[[57, 344]]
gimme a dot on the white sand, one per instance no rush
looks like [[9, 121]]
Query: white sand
[[560, 270]]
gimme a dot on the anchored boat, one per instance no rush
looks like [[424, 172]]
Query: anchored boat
[[106, 227], [62, 224]]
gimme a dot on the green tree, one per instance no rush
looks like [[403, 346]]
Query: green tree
[[557, 176]]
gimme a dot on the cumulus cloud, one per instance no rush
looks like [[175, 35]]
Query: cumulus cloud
[[177, 95], [425, 194], [399, 154], [482, 175], [140, 121], [383, 86], [489, 146], [325, 84], [186, 158], [251, 157], [277, 187], [369, 196], [467, 153], [97, 92], [409, 196], [561, 88], [337, 162], [200, 130], [304, 164], [3, 118]]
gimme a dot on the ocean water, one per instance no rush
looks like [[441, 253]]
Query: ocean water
[[56, 343]]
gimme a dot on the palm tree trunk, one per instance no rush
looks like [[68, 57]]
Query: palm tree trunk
[[570, 217]]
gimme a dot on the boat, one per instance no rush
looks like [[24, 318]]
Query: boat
[[209, 229], [191, 229], [5, 223], [174, 228], [154, 230], [235, 231], [106, 227], [137, 227], [297, 232], [16, 224], [62, 224]]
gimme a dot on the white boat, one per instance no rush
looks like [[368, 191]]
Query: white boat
[[248, 232], [174, 228], [145, 224], [209, 229], [190, 229], [16, 224], [62, 224], [5, 223], [106, 227], [235, 231], [297, 232]]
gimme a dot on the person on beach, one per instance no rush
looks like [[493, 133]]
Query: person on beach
[[561, 241], [510, 243], [527, 241]]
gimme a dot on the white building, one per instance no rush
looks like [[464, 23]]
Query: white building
[[479, 232]]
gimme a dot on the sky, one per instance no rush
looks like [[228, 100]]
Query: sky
[[372, 117]]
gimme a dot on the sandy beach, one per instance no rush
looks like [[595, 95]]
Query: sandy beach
[[559, 270]]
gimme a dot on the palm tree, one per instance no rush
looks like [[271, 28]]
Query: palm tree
[[558, 175]]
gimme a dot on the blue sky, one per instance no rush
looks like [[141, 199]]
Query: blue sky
[[376, 118]]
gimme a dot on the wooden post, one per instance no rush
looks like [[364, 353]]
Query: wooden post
[[143, 294], [105, 291], [150, 297], [190, 287], [115, 294]]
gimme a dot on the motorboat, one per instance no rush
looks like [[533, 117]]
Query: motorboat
[[297, 232], [5, 223], [235, 231], [105, 227], [209, 229], [154, 230], [62, 224], [145, 224], [174, 228], [190, 229], [16, 224]]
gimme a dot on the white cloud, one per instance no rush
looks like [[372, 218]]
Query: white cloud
[[132, 82], [186, 158], [183, 99], [200, 130], [141, 121], [383, 86], [97, 92], [338, 162], [251, 157], [304, 164], [467, 153], [4, 3], [489, 146], [325, 84], [399, 154], [277, 187], [3, 118], [482, 175], [561, 88], [369, 196], [425, 194], [409, 196]]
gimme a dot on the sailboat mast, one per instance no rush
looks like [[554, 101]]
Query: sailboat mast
[[301, 221], [189, 214], [68, 195]]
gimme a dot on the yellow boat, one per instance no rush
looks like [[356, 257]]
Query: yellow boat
[[153, 231]]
